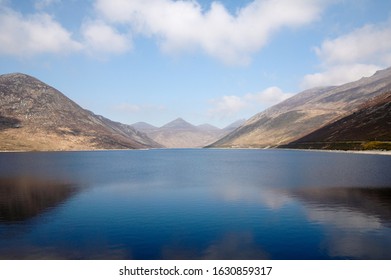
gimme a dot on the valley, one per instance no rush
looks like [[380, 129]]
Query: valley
[[355, 116]]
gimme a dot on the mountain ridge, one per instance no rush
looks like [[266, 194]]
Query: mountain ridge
[[182, 134], [179, 124], [305, 112], [369, 127], [36, 116]]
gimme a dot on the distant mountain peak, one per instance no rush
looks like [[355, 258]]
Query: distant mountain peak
[[179, 120], [182, 134], [178, 123]]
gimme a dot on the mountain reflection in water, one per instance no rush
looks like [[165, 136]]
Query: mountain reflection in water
[[195, 204], [356, 220], [371, 202], [23, 198]]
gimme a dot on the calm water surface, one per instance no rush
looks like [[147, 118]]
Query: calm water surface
[[195, 204]]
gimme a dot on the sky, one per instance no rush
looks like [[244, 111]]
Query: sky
[[205, 61]]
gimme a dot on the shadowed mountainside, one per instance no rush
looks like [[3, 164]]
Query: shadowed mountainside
[[306, 112], [367, 128]]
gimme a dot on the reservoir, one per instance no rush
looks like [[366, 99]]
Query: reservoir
[[195, 204]]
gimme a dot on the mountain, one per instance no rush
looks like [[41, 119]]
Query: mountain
[[231, 127], [143, 126], [178, 124], [306, 112], [36, 116], [208, 127], [182, 134], [367, 128], [130, 132]]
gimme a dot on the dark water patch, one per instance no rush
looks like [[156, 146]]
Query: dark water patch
[[23, 198]]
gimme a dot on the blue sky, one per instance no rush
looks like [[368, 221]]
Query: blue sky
[[205, 61]]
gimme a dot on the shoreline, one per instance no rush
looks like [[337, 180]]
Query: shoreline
[[71, 151], [369, 152]]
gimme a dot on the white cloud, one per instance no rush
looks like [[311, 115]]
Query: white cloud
[[39, 33], [184, 25], [30, 35], [354, 55], [339, 74], [229, 106], [269, 96], [369, 44], [99, 38]]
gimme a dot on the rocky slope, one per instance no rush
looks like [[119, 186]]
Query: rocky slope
[[181, 134], [36, 116], [367, 128], [306, 112]]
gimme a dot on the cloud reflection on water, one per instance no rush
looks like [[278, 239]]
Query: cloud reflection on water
[[353, 219], [191, 205], [355, 208], [230, 246]]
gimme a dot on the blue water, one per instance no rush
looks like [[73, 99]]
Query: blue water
[[195, 204]]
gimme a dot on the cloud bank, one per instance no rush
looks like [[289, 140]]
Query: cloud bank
[[32, 35], [101, 38], [177, 27], [181, 26], [231, 105]]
